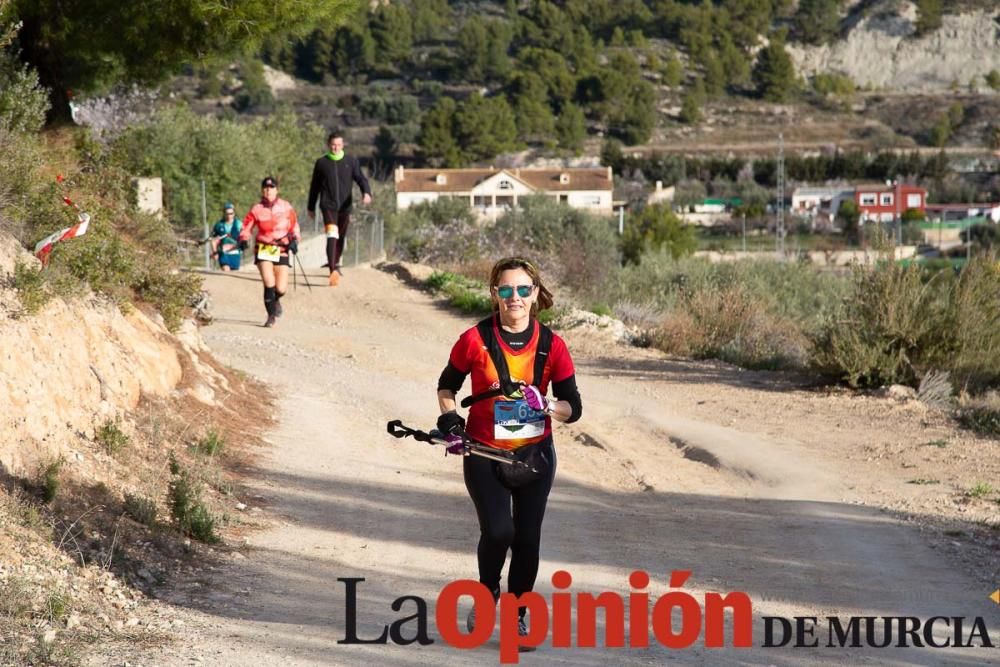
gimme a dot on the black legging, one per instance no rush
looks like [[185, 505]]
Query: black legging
[[508, 519], [335, 247]]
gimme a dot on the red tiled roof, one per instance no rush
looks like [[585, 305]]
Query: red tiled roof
[[464, 180]]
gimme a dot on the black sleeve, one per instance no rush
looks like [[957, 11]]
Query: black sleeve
[[359, 178], [565, 390], [451, 379], [314, 188]]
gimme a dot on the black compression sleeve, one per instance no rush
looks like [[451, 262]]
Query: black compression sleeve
[[565, 390], [451, 379]]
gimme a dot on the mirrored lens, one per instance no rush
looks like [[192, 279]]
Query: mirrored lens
[[507, 291]]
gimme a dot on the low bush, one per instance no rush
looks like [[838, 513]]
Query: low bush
[[442, 232], [729, 323], [32, 289], [111, 438], [49, 479], [981, 415], [211, 444], [140, 508], [896, 324], [469, 296], [187, 508]]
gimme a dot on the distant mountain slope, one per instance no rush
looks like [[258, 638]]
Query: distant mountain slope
[[882, 52]]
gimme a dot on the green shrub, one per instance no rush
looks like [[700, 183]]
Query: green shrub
[[183, 148], [980, 490], [23, 100], [56, 605], [141, 509], [202, 524], [657, 228], [32, 289], [187, 509], [898, 323], [466, 294], [210, 445], [49, 480], [110, 437], [602, 310], [579, 250], [983, 419]]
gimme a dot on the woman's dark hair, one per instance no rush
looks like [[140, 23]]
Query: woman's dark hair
[[544, 300]]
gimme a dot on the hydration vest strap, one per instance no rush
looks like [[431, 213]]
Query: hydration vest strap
[[507, 386]]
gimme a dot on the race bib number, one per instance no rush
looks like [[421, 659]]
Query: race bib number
[[514, 420], [268, 253]]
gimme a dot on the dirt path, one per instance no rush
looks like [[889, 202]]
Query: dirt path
[[674, 466]]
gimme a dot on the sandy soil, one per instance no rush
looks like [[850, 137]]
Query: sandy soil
[[802, 498]]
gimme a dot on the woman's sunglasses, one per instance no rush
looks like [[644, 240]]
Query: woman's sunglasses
[[507, 291]]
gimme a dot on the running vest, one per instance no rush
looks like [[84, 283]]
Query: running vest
[[507, 386]]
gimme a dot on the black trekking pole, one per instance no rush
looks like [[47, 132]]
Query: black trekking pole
[[304, 276], [397, 430]]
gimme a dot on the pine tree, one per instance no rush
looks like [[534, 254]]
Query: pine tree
[[694, 98], [437, 135], [816, 21], [386, 148], [928, 16], [571, 128], [774, 73]]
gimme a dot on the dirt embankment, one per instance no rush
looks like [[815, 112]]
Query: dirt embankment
[[102, 405]]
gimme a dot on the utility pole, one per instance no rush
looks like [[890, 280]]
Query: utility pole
[[780, 219]]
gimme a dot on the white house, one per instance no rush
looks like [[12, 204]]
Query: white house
[[808, 202], [492, 191]]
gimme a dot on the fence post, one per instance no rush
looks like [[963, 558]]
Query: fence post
[[204, 226]]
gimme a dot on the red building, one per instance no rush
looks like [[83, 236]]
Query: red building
[[888, 202]]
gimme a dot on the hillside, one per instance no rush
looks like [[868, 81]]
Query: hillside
[[656, 76]]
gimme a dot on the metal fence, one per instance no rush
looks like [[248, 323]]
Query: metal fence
[[365, 242], [365, 238]]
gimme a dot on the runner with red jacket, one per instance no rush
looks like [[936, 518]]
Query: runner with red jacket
[[510, 411], [277, 235]]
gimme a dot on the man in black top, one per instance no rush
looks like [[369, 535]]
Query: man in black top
[[331, 185]]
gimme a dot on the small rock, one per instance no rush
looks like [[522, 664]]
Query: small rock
[[72, 621], [132, 622], [49, 637], [241, 506]]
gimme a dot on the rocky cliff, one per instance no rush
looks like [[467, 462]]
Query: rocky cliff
[[881, 51]]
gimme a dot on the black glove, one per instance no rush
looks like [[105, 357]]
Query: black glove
[[243, 245], [293, 246], [450, 423]]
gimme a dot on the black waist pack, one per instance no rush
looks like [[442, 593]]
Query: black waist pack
[[534, 465]]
